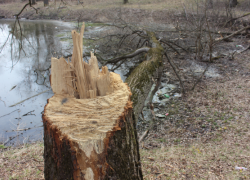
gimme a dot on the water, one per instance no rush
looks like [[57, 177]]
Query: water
[[24, 72], [24, 68]]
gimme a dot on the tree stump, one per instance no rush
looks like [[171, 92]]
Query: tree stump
[[89, 127]]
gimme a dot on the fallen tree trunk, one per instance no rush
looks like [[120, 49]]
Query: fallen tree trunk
[[140, 80], [89, 126]]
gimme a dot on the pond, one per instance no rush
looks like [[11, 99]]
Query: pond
[[24, 72], [25, 61]]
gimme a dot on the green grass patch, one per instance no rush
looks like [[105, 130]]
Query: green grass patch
[[59, 35], [2, 146]]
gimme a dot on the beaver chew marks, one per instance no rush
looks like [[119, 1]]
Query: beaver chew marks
[[89, 130]]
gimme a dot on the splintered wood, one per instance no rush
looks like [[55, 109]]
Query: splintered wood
[[77, 78], [89, 127]]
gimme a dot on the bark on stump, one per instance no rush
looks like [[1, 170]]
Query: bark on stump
[[89, 126]]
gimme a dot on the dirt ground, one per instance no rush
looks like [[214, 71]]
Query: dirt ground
[[206, 132]]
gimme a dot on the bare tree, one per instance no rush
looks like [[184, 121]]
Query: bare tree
[[210, 4], [46, 2], [233, 3], [33, 2]]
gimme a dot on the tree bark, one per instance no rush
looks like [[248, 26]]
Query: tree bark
[[233, 3], [89, 126], [140, 80], [210, 4], [33, 2], [114, 156], [46, 2]]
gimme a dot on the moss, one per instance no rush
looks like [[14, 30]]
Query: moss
[[59, 35], [66, 39], [2, 146], [143, 73]]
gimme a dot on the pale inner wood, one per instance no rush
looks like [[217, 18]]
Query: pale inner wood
[[87, 121], [77, 78], [88, 102]]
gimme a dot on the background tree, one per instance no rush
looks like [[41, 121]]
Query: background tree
[[46, 2], [233, 3]]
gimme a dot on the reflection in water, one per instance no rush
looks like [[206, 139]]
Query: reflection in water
[[24, 68], [24, 72]]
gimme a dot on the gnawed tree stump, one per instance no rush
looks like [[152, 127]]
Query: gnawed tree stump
[[89, 127]]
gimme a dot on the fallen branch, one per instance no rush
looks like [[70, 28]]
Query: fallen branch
[[9, 113], [10, 139], [231, 35], [1, 99], [248, 47], [29, 113], [117, 59], [172, 65], [129, 55], [30, 98], [157, 84], [143, 135], [195, 84], [25, 129], [233, 19], [166, 41], [140, 79], [170, 46]]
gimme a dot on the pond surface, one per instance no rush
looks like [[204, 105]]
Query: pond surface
[[24, 72]]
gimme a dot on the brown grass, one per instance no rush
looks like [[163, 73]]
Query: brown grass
[[24, 162], [217, 156], [211, 158], [223, 104]]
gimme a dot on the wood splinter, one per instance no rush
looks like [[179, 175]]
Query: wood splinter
[[89, 127]]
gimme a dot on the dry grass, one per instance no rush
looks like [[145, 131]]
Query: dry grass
[[215, 156], [24, 162], [212, 158], [222, 107]]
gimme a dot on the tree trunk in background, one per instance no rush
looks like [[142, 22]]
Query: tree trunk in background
[[46, 2], [33, 2], [233, 3], [210, 4], [93, 136], [125, 1]]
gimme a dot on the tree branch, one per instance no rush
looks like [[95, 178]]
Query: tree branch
[[172, 65], [231, 35], [247, 14], [128, 55]]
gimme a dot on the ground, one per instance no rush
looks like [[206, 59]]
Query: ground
[[208, 141], [204, 136]]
